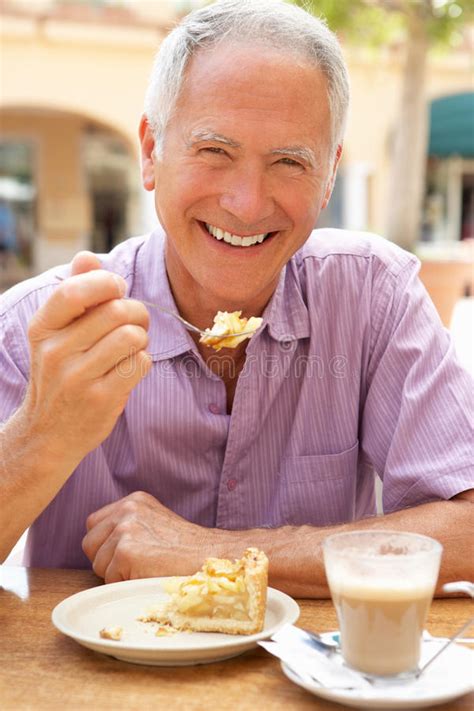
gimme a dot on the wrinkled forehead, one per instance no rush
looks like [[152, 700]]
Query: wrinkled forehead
[[265, 85], [245, 56]]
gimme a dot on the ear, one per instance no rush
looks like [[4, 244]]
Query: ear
[[147, 143], [331, 181]]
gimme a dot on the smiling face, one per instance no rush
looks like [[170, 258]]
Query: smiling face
[[244, 173]]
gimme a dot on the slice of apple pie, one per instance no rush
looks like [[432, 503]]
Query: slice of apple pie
[[226, 323], [224, 596]]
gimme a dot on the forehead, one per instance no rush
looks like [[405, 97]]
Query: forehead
[[255, 89]]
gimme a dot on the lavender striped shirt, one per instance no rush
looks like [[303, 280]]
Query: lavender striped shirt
[[352, 371]]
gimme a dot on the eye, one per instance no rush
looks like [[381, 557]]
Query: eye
[[213, 149], [291, 162]]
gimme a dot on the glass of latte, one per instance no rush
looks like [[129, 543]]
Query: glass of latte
[[382, 584]]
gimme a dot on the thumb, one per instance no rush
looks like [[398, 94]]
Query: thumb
[[84, 262]]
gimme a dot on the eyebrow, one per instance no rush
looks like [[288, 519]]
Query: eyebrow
[[205, 135], [301, 152]]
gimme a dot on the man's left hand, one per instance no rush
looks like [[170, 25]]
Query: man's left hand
[[137, 537]]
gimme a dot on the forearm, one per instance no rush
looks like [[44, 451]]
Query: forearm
[[295, 553], [31, 474]]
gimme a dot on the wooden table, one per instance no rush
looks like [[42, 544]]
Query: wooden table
[[42, 669]]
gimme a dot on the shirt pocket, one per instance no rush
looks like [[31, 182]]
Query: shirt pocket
[[319, 489]]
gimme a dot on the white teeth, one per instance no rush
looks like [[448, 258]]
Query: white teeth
[[216, 232], [235, 240]]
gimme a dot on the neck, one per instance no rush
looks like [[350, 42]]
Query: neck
[[199, 305]]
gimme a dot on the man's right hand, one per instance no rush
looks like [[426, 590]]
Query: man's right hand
[[87, 354]]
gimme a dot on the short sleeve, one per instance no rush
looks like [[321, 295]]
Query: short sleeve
[[13, 374], [416, 425]]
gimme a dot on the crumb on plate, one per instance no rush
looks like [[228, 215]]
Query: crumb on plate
[[114, 633]]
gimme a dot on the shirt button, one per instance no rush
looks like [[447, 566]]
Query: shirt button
[[231, 484], [214, 408]]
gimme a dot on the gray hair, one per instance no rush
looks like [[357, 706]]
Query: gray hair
[[270, 23]]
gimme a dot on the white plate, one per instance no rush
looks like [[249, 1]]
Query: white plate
[[447, 678], [84, 614]]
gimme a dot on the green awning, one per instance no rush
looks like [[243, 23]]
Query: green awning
[[452, 126]]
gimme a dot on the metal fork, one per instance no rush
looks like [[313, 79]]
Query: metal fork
[[188, 325]]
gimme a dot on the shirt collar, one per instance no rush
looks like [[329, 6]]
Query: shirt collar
[[286, 315]]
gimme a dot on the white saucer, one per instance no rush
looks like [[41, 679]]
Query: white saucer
[[84, 614], [447, 678]]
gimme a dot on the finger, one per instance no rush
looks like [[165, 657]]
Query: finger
[[132, 561], [128, 373], [113, 573], [97, 536], [83, 262], [111, 352], [130, 504], [86, 331], [101, 565], [112, 559], [74, 296], [97, 516]]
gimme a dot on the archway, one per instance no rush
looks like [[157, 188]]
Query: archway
[[67, 182]]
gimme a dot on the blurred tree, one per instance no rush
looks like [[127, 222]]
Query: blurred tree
[[420, 25]]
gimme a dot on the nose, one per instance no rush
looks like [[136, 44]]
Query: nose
[[246, 195]]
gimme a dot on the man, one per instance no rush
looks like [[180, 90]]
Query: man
[[123, 432]]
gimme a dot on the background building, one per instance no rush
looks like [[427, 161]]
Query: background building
[[72, 82]]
